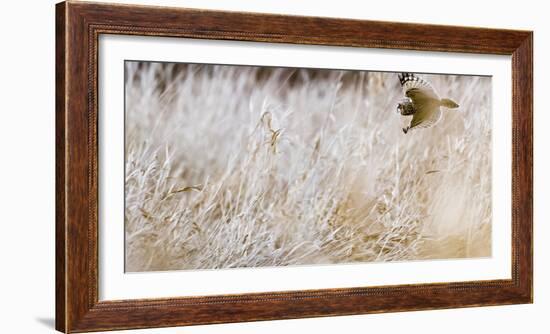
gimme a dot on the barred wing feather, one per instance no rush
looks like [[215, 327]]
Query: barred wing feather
[[409, 82]]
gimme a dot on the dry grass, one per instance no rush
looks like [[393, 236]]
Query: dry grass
[[243, 167]]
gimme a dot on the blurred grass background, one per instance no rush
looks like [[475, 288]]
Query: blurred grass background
[[242, 166]]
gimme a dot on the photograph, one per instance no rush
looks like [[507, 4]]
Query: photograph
[[234, 166], [217, 165]]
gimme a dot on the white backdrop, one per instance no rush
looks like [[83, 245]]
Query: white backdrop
[[27, 166]]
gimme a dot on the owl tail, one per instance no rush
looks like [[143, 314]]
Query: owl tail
[[448, 103]]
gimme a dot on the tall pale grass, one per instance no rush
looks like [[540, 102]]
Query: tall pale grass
[[230, 166]]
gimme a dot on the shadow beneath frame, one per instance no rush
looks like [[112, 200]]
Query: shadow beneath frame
[[48, 322]]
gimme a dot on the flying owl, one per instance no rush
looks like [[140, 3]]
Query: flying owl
[[422, 102]]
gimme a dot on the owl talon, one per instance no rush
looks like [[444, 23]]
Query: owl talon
[[405, 130]]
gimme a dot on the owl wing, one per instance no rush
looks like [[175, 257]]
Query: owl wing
[[413, 83], [426, 117]]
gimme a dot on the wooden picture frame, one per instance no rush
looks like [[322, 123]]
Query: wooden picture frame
[[78, 26]]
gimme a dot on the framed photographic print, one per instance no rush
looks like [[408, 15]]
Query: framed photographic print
[[223, 166]]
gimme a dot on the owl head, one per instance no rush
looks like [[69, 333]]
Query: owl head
[[405, 107]]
